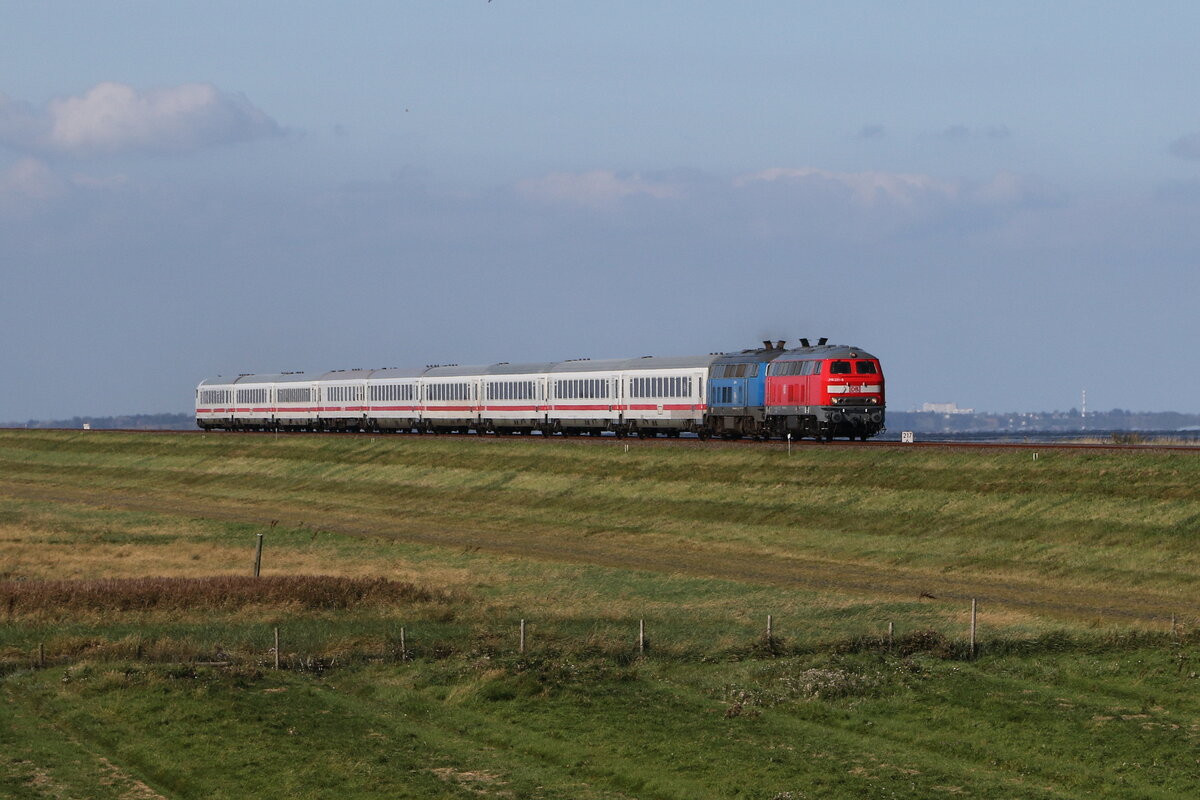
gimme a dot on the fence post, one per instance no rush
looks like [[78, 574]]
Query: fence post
[[770, 630], [41, 655], [972, 627], [403, 647], [891, 634], [258, 555], [641, 636], [276, 643], [522, 646]]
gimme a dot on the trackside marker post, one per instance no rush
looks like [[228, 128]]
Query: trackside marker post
[[972, 625], [258, 554]]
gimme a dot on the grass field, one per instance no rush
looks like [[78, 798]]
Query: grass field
[[137, 656]]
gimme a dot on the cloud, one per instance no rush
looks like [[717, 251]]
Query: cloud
[[30, 185], [1186, 146], [595, 188], [906, 190], [862, 188], [29, 180], [871, 132], [114, 118]]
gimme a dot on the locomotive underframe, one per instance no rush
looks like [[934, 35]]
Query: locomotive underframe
[[825, 422]]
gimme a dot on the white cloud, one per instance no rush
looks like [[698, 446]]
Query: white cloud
[[113, 118], [26, 182], [595, 188], [907, 190], [30, 185]]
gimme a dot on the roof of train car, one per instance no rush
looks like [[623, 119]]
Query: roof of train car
[[573, 365], [347, 374], [504, 368], [749, 356], [399, 372], [277, 377], [826, 351]]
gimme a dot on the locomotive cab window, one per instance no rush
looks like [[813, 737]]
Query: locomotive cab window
[[839, 367], [866, 367]]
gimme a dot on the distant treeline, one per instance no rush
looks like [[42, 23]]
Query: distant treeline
[[1040, 421], [128, 422]]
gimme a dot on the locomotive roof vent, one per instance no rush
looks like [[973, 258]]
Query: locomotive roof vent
[[766, 344], [821, 342], [779, 345], [804, 343]]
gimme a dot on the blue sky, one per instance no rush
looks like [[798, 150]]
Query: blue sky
[[999, 201]]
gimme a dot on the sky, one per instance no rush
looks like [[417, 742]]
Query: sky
[[1000, 201]]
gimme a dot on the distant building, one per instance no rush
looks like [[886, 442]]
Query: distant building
[[946, 408]]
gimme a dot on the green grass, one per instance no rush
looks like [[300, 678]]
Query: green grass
[[1079, 560]]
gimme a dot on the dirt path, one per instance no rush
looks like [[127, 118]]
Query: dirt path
[[1050, 597]]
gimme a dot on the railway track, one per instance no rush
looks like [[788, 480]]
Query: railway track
[[685, 440]]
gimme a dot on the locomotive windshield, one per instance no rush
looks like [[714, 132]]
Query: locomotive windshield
[[846, 367]]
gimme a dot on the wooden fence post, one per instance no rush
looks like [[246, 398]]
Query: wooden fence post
[[972, 627], [258, 555], [276, 643], [403, 647], [891, 634], [641, 636], [522, 646]]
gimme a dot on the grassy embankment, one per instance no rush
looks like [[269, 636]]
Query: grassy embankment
[[1079, 558]]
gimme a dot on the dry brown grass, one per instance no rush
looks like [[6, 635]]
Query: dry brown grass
[[221, 593]]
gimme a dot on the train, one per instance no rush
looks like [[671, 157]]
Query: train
[[817, 390]]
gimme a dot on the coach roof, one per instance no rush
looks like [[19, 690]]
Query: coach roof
[[277, 377], [627, 364]]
